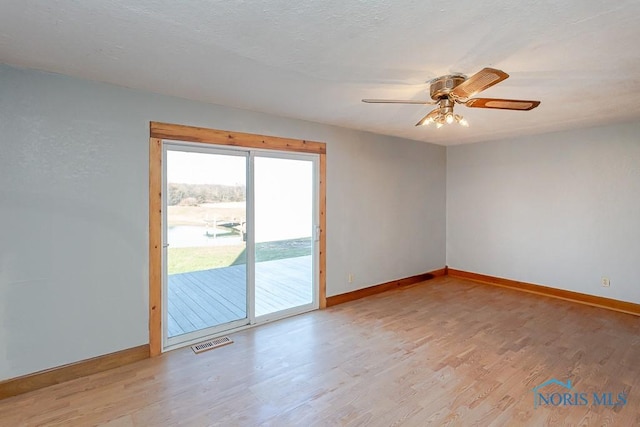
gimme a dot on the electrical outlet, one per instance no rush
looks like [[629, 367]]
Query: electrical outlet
[[606, 283], [350, 278]]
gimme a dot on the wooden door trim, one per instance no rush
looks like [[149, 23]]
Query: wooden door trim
[[155, 246], [174, 132], [237, 139]]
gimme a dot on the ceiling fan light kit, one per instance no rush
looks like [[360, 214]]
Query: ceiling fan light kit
[[448, 90]]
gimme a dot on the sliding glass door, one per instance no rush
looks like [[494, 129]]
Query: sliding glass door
[[239, 239], [284, 234], [205, 219]]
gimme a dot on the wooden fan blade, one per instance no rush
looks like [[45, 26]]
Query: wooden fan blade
[[396, 101], [502, 104], [480, 81]]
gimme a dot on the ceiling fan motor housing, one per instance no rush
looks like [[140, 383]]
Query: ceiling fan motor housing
[[442, 86]]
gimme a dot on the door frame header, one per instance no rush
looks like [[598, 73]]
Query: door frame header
[[223, 137]]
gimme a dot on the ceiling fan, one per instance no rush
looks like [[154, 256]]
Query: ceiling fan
[[448, 90]]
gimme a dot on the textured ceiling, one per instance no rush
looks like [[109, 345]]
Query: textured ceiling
[[315, 60]]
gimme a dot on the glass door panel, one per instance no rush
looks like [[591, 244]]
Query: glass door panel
[[284, 230], [205, 242]]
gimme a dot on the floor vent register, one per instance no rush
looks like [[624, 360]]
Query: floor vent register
[[211, 344]]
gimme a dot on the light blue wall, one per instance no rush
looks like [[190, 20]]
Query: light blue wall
[[74, 210], [561, 210]]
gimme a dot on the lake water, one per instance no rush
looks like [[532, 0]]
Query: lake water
[[186, 236]]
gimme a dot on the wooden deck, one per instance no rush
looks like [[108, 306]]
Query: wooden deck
[[211, 297]]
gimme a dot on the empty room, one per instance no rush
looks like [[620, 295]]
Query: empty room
[[319, 213]]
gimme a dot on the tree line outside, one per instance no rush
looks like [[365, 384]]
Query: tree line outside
[[196, 194]]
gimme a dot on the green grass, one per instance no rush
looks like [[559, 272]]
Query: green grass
[[183, 260]]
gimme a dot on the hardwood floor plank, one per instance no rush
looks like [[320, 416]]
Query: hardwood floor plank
[[447, 352]]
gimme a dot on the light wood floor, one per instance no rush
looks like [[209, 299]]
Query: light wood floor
[[445, 352]]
